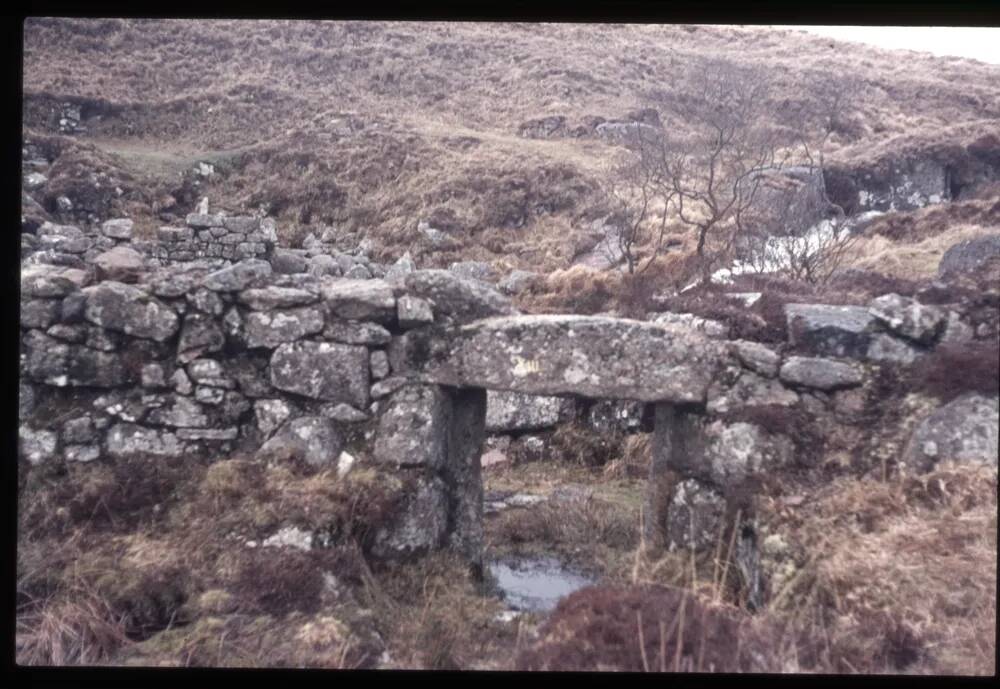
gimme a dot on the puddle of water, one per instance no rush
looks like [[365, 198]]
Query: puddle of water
[[537, 584]]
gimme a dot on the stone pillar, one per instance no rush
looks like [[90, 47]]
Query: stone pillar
[[661, 478], [462, 471]]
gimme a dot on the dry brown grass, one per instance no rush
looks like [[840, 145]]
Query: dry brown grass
[[434, 617], [895, 576], [911, 261], [368, 127], [79, 628]]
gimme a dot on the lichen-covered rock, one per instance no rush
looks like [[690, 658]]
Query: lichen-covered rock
[[210, 372], [233, 407], [181, 383], [206, 301], [323, 265], [843, 331], [474, 270], [412, 312], [153, 376], [886, 348], [353, 332], [182, 412], [174, 234], [274, 297], [79, 430], [36, 446], [563, 355], [172, 283], [200, 335], [251, 376], [289, 537], [361, 300], [127, 439], [272, 328], [208, 395], [513, 411], [736, 451], [358, 272], [199, 220], [707, 327], [245, 224], [50, 361], [288, 262], [210, 434], [127, 407], [124, 308], [757, 357], [39, 313], [419, 527], [44, 280], [455, 298], [25, 400], [344, 413], [67, 244], [968, 256], [237, 277], [747, 390], [956, 330], [823, 374], [271, 414], [315, 440], [379, 364], [322, 370], [121, 264], [400, 269], [118, 228], [517, 282], [609, 417], [413, 428], [964, 430], [82, 453], [695, 516], [908, 317], [386, 387]]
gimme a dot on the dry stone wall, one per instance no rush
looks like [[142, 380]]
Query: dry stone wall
[[289, 358], [212, 236]]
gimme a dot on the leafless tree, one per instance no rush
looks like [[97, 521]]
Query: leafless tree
[[804, 234], [639, 199], [813, 255], [719, 178], [716, 178]]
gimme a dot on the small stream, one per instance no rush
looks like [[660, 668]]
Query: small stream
[[535, 584]]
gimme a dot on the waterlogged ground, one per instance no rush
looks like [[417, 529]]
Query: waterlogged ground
[[535, 584]]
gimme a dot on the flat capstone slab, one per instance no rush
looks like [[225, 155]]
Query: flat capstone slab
[[590, 356]]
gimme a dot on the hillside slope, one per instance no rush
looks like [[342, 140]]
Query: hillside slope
[[369, 128]]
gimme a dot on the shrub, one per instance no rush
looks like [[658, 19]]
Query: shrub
[[650, 628]]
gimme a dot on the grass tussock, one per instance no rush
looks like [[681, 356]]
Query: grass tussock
[[565, 523], [647, 628], [434, 616], [80, 627]]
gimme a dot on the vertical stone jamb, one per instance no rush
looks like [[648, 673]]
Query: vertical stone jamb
[[462, 471], [660, 485]]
